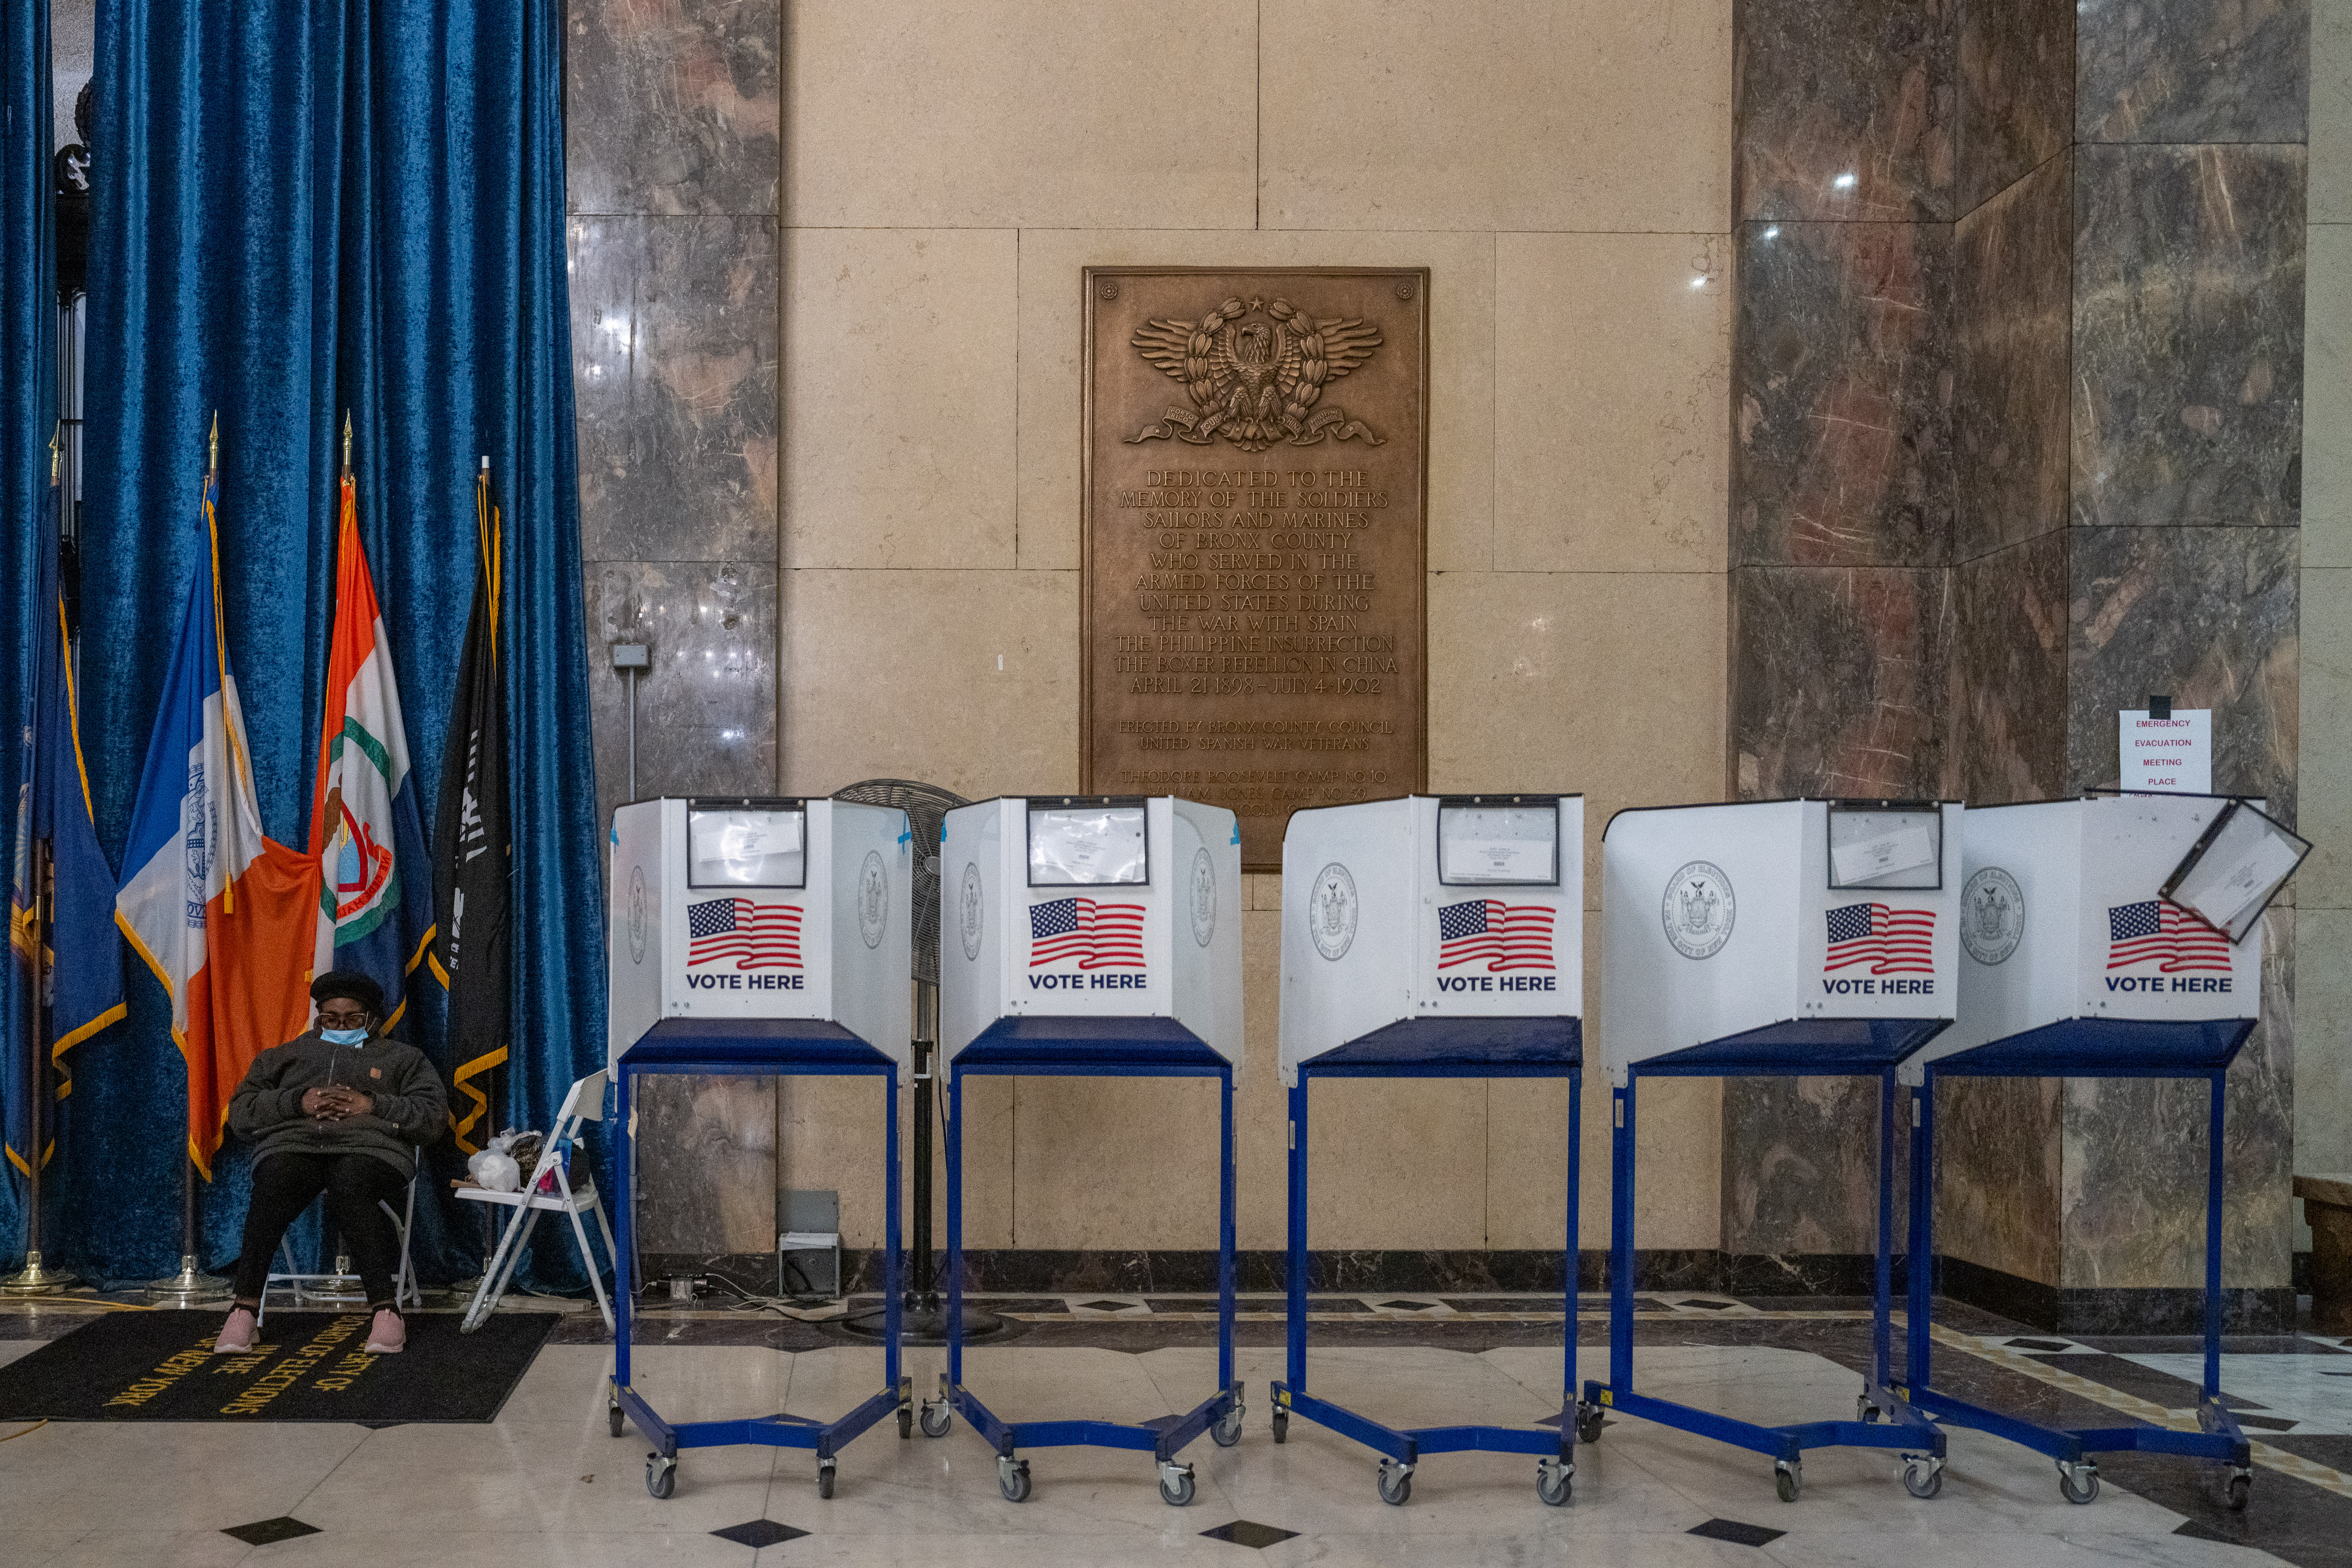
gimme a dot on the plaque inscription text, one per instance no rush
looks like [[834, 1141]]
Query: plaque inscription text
[[1255, 538]]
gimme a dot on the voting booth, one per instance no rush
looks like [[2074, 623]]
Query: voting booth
[[759, 937], [2112, 936], [1776, 938], [1090, 936], [1431, 937]]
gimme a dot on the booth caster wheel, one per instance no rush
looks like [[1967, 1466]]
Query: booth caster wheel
[[1227, 1432], [1175, 1484], [661, 1476], [906, 1422], [1012, 1478], [1588, 1423], [2241, 1483], [1396, 1483], [1281, 1425], [825, 1473], [935, 1417], [1923, 1475], [1788, 1479], [1554, 1479], [614, 1419], [2078, 1483]]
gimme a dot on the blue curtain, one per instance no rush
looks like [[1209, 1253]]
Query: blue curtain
[[308, 206], [27, 414]]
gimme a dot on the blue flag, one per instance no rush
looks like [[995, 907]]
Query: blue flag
[[81, 955]]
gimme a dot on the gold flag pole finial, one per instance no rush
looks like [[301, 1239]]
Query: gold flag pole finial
[[212, 463], [347, 443], [56, 452]]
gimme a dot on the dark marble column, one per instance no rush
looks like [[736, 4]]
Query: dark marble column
[[674, 149], [2018, 400]]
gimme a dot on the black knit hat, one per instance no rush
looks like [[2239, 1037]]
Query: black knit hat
[[351, 986]]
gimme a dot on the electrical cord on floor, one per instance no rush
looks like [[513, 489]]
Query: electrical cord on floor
[[748, 1302], [34, 1427]]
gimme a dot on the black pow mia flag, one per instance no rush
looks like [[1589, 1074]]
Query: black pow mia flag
[[472, 852]]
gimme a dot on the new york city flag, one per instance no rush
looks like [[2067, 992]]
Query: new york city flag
[[375, 906], [81, 958], [221, 912]]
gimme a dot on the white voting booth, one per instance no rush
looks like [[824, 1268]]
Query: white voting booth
[[1729, 931], [760, 937], [1427, 909], [1432, 937], [762, 908], [1784, 938], [2119, 935], [2078, 912], [1096, 936], [1066, 906]]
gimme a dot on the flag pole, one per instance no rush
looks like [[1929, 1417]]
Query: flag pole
[[192, 1287], [35, 1278]]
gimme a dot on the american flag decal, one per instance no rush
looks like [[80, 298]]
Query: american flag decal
[[1098, 935], [1891, 941], [756, 936], [2138, 934], [1507, 936]]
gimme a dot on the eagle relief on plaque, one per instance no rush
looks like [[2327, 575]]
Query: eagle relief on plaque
[[1254, 538]]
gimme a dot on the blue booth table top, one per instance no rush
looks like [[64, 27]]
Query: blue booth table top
[[1457, 1047], [1083, 1047], [2105, 1048], [714, 1046], [1798, 1047]]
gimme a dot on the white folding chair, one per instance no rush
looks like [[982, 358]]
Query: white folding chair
[[340, 1286], [583, 1103]]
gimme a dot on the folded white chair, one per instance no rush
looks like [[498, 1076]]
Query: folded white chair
[[583, 1103]]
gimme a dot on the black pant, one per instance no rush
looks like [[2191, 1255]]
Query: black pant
[[285, 1185]]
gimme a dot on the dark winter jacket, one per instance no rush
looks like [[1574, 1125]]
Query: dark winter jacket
[[410, 1108]]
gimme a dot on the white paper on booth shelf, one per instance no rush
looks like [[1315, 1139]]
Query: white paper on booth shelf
[[1498, 843], [747, 849], [1886, 855], [2237, 873], [1092, 845]]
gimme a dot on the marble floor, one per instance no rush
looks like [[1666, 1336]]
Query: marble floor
[[545, 1483]]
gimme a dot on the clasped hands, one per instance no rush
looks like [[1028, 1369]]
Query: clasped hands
[[334, 1101]]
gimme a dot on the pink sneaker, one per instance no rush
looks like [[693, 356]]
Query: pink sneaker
[[238, 1334], [387, 1335]]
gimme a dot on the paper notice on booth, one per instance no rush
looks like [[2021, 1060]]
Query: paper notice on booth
[[2174, 754], [2238, 872], [1867, 859]]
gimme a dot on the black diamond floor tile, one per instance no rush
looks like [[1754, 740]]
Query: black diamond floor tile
[[1738, 1534], [262, 1531], [1244, 1532], [758, 1532], [2038, 1344], [1406, 1306], [1709, 1306], [1106, 1306]]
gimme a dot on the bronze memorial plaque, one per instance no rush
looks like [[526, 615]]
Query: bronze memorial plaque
[[1254, 622]]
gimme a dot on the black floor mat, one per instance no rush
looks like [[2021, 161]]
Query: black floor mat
[[309, 1366]]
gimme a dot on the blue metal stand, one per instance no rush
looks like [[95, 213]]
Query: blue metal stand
[[1797, 1049], [1440, 1048], [781, 1046], [1091, 1048], [2086, 1048]]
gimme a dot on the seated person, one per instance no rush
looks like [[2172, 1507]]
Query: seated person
[[338, 1109]]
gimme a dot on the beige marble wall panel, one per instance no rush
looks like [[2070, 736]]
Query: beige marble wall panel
[[2323, 1023], [829, 1136], [1462, 366], [2323, 775], [1676, 1196], [1612, 439], [1510, 114], [1115, 1162], [2331, 115], [908, 113], [1609, 683], [1398, 1164], [899, 396], [1261, 1105], [967, 679], [2327, 392]]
